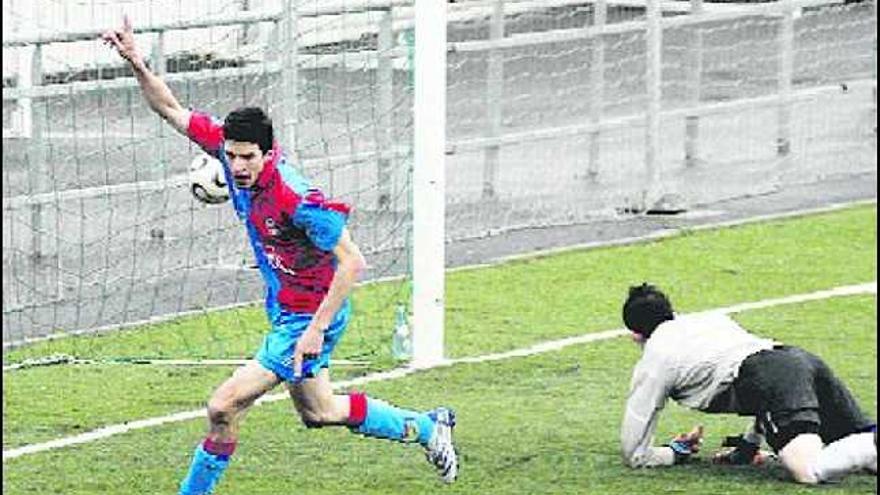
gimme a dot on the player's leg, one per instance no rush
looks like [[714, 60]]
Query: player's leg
[[849, 434], [319, 406], [226, 408], [850, 454], [811, 462], [813, 408], [316, 403], [799, 455], [838, 408]]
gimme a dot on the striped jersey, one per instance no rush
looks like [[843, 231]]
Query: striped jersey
[[291, 226]]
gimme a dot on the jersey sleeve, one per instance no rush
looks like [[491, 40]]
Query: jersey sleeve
[[647, 398], [205, 131], [322, 220]]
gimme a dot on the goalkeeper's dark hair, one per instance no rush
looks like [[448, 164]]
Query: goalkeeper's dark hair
[[645, 308], [251, 125]]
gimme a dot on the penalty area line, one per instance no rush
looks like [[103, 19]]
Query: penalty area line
[[540, 348]]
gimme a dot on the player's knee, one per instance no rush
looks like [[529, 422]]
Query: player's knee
[[314, 419], [804, 476], [799, 457], [801, 470], [312, 424], [220, 411]]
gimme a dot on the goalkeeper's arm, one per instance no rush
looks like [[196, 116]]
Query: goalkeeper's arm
[[646, 399], [154, 89], [648, 395]]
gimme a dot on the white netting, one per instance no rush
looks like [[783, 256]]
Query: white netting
[[565, 144], [99, 226], [554, 169]]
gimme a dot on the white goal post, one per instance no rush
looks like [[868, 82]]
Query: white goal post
[[429, 195], [629, 101]]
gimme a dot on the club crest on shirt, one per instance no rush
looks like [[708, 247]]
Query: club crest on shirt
[[277, 260]]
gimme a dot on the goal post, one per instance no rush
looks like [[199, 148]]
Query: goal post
[[533, 114], [429, 182]]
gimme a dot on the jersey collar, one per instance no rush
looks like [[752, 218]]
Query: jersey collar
[[270, 166]]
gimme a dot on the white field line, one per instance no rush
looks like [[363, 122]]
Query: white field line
[[63, 359], [543, 347]]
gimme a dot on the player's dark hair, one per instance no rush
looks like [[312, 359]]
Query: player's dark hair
[[251, 125], [646, 308]]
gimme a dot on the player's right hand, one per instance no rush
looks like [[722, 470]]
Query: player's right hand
[[693, 439], [308, 346], [735, 457], [738, 451], [685, 445], [123, 41]]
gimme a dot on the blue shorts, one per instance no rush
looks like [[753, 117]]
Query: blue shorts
[[276, 353]]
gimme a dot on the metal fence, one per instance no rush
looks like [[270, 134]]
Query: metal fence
[[558, 112]]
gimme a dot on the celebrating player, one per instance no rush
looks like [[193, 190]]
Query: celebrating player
[[310, 264], [708, 362]]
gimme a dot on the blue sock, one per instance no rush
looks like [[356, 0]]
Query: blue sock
[[204, 472], [382, 420]]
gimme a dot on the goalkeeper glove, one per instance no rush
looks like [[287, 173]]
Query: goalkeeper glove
[[686, 444], [741, 452]]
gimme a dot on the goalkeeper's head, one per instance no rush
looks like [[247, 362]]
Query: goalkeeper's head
[[645, 308]]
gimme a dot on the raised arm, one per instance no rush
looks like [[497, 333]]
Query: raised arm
[[154, 89]]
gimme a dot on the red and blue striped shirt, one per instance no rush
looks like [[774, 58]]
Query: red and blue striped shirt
[[292, 227]]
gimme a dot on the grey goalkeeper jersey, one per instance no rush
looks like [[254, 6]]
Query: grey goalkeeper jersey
[[691, 359]]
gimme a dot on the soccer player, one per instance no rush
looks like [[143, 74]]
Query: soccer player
[[708, 362], [310, 264]]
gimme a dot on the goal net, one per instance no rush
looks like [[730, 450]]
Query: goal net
[[555, 118], [100, 229]]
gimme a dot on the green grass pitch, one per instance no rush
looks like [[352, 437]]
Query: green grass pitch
[[542, 424]]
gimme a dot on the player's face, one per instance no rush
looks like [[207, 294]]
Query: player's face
[[245, 162], [637, 337]]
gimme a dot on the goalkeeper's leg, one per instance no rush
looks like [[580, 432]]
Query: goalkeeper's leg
[[809, 462], [803, 452], [808, 416], [225, 411]]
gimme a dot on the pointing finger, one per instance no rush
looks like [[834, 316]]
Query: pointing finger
[[113, 38]]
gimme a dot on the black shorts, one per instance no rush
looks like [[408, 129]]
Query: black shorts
[[791, 392]]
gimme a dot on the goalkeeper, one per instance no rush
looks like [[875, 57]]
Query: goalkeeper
[[708, 362], [310, 264]]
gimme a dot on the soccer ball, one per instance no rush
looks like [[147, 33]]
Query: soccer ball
[[207, 180]]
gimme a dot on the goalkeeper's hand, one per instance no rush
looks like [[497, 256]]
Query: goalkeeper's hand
[[687, 444], [741, 452]]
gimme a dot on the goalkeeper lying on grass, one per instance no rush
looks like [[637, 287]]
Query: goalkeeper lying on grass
[[708, 362]]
